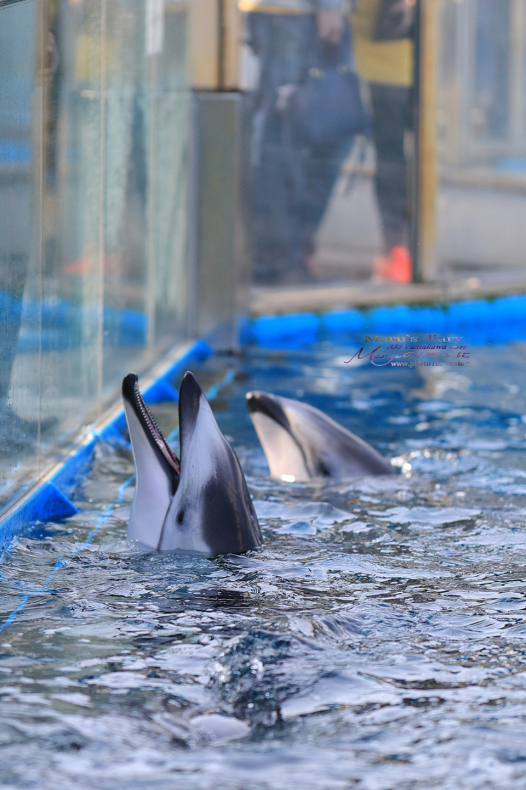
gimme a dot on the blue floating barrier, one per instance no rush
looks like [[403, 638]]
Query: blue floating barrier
[[47, 503], [478, 320], [303, 327], [343, 321], [160, 391]]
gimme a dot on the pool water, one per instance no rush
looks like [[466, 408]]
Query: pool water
[[377, 640]]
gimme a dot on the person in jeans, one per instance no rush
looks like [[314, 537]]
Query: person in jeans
[[383, 40], [291, 183]]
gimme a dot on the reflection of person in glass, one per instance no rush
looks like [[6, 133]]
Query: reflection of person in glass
[[383, 32], [17, 436], [291, 183]]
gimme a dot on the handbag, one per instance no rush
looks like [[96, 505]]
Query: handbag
[[326, 108], [395, 20]]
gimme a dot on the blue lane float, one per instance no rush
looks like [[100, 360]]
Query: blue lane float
[[479, 321]]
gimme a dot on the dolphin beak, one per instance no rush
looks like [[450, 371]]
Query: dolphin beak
[[190, 394], [284, 454], [156, 467], [133, 398], [261, 403]]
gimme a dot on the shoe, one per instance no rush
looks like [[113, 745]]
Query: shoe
[[395, 267]]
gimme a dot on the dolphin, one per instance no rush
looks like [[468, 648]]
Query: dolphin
[[301, 443], [198, 503]]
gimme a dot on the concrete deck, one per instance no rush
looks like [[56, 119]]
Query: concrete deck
[[272, 301]]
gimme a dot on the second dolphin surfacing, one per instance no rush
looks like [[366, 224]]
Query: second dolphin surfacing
[[200, 503], [302, 443]]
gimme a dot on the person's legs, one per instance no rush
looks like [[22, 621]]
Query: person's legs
[[280, 42], [322, 166], [391, 118]]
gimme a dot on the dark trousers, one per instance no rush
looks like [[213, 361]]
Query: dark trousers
[[391, 118], [292, 184]]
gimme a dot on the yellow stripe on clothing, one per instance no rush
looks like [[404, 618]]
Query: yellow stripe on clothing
[[266, 8], [388, 62]]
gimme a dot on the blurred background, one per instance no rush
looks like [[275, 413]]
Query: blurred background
[[168, 167]]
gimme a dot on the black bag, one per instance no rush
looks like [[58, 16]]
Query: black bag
[[395, 20], [326, 108]]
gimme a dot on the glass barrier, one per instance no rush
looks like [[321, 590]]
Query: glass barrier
[[334, 162], [94, 132], [332, 138], [482, 142]]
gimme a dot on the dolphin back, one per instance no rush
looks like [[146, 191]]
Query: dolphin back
[[302, 443], [330, 449]]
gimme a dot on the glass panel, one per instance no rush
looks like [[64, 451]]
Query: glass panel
[[71, 216], [482, 135], [125, 189], [147, 117], [490, 110], [94, 131], [19, 264], [169, 142], [331, 139]]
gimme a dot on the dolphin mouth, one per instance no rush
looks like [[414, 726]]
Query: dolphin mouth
[[132, 394]]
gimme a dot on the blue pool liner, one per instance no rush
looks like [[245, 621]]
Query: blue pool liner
[[50, 501]]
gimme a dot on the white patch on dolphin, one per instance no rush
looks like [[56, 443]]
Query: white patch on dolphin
[[156, 468]]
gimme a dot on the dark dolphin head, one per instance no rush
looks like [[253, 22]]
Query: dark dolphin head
[[301, 443], [200, 503]]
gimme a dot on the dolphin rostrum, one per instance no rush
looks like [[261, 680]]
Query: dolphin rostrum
[[301, 443], [200, 503]]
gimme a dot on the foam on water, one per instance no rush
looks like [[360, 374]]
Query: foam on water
[[377, 640]]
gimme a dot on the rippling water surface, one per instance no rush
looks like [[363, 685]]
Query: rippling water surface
[[377, 640]]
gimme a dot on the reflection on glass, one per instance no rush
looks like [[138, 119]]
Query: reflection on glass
[[93, 183], [490, 112], [18, 436], [320, 135], [482, 135]]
